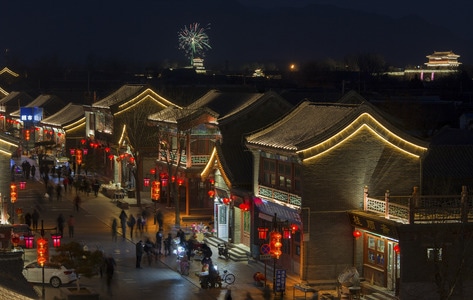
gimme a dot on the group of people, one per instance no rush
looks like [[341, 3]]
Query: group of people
[[32, 219]]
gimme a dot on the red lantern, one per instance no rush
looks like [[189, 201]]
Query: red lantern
[[211, 193], [56, 240], [146, 181], [180, 181], [152, 171], [294, 228], [22, 185], [132, 160], [72, 151], [42, 251], [275, 244], [29, 241], [85, 151], [286, 233], [244, 206], [262, 233], [356, 233], [396, 248], [13, 193], [110, 157], [226, 201], [107, 149], [155, 190], [212, 181], [82, 141]]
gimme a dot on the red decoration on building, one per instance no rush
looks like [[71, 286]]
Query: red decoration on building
[[286, 233], [275, 244], [42, 251], [262, 233], [146, 181], [356, 233], [56, 240], [396, 248]]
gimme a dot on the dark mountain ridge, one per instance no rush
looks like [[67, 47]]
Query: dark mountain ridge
[[146, 32]]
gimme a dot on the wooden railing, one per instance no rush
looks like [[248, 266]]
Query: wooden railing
[[279, 195], [422, 209]]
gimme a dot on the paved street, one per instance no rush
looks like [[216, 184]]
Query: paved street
[[160, 279]]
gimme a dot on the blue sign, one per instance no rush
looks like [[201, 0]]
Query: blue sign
[[31, 114], [280, 281]]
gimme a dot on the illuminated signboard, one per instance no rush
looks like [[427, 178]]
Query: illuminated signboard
[[379, 226], [31, 114]]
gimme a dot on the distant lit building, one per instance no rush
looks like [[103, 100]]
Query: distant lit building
[[444, 59], [199, 65]]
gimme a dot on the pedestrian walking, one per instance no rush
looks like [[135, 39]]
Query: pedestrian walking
[[70, 225], [114, 229], [35, 218], [77, 201], [160, 219], [159, 241], [33, 171], [96, 187], [110, 265], [131, 223], [167, 245], [58, 192], [139, 224], [228, 295], [60, 224], [123, 218], [65, 182], [139, 253]]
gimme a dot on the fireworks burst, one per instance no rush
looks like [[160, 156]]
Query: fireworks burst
[[194, 41]]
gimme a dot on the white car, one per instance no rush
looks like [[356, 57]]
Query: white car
[[54, 274]]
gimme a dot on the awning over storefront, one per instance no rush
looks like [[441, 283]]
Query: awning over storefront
[[267, 210]]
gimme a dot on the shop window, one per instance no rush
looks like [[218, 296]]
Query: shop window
[[375, 254]]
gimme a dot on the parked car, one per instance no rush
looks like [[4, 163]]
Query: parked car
[[55, 274]]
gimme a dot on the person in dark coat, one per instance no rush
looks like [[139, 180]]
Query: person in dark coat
[[35, 218], [60, 224], [123, 218], [139, 253], [28, 218]]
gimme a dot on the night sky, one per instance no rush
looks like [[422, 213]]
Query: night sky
[[245, 30]]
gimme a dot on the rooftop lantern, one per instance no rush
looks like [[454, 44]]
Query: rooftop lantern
[[262, 233], [56, 240]]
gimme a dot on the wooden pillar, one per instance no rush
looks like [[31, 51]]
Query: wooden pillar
[[365, 198], [386, 204]]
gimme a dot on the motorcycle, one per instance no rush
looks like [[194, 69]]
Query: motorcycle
[[223, 250], [210, 278]]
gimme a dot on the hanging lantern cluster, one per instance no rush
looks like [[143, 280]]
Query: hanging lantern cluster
[[245, 206], [275, 244], [155, 190], [42, 251]]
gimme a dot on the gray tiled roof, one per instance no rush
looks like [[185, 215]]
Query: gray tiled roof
[[124, 93], [70, 113], [302, 124]]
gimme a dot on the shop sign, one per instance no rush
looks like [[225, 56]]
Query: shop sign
[[376, 226]]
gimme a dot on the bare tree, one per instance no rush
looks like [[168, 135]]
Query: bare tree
[[139, 138]]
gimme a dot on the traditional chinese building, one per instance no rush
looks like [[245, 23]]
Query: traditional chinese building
[[315, 162]]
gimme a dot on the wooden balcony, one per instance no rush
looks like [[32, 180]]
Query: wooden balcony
[[417, 209]]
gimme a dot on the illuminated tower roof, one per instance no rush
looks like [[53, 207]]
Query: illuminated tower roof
[[443, 59]]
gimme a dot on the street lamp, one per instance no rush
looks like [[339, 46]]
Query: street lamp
[[275, 242], [42, 251], [14, 196]]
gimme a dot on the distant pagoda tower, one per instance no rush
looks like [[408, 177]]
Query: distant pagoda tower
[[443, 60], [198, 64]]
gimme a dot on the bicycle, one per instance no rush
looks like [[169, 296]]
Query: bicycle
[[228, 278]]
